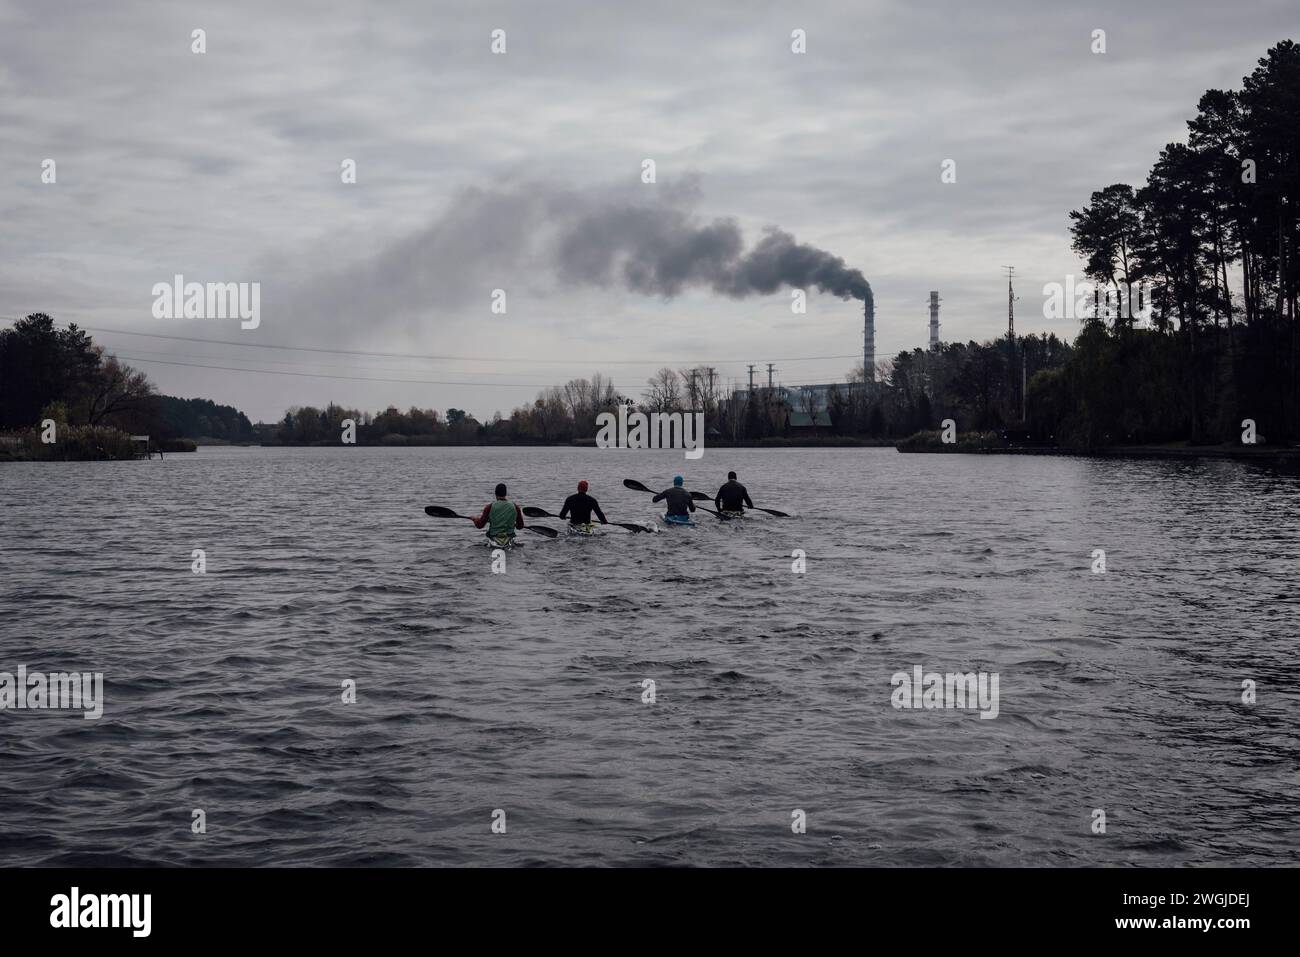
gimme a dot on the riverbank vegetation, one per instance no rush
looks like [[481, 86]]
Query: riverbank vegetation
[[92, 402], [1212, 236]]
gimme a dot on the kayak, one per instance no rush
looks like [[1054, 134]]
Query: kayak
[[586, 528], [677, 520], [503, 541], [730, 516]]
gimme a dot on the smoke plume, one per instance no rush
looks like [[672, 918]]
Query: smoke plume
[[648, 240], [664, 249]]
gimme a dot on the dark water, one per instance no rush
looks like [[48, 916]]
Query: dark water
[[523, 691]]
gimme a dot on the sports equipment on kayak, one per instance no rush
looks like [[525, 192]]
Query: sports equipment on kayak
[[586, 529], [697, 496], [532, 511], [439, 511], [667, 519]]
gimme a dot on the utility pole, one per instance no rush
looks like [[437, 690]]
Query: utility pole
[[770, 369], [934, 320], [1011, 344], [751, 379], [1011, 304]]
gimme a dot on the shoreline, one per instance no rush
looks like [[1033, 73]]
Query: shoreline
[[1266, 454], [1236, 453]]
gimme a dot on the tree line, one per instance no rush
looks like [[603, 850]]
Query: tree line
[[95, 400], [1212, 236]]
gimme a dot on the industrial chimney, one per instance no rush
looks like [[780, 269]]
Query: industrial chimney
[[869, 341], [934, 320]]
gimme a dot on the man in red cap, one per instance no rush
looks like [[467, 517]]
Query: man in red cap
[[578, 508]]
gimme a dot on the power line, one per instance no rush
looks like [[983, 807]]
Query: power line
[[452, 358], [311, 364], [321, 375]]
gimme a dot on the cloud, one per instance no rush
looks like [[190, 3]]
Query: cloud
[[521, 171]]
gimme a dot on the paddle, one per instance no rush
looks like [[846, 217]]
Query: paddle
[[699, 497], [695, 496], [532, 511], [438, 511]]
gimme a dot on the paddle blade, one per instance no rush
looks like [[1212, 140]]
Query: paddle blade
[[636, 486], [700, 497], [542, 530], [532, 511], [771, 511], [630, 527], [438, 511]]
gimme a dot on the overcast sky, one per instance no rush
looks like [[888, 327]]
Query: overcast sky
[[225, 167]]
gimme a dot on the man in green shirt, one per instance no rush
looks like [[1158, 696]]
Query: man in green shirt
[[501, 517]]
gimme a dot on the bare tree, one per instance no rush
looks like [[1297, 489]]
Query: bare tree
[[604, 397], [117, 390], [577, 397], [664, 392]]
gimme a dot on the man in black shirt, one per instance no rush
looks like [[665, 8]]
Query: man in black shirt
[[578, 508], [732, 497], [679, 501]]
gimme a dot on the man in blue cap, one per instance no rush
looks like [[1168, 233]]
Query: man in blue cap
[[679, 501]]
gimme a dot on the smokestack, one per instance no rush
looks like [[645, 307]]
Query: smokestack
[[869, 340], [934, 320]]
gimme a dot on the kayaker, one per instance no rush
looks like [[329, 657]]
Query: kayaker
[[578, 508], [679, 501], [732, 497], [502, 516]]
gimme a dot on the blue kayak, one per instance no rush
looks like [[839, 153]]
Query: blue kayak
[[677, 520]]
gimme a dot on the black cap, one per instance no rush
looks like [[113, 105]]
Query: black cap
[[501, 490], [731, 475]]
